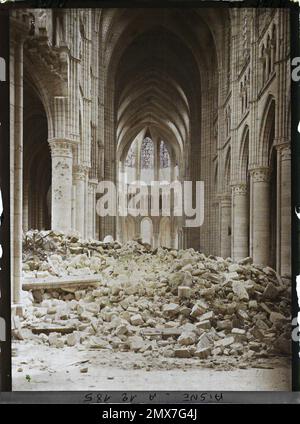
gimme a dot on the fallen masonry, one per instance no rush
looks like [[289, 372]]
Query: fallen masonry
[[161, 302]]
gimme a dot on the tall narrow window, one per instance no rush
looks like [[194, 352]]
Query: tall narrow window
[[147, 160], [131, 163], [165, 162]]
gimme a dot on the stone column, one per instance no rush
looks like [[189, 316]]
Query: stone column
[[18, 173], [155, 240], [80, 173], [240, 222], [92, 208], [260, 215], [225, 226], [173, 240], [26, 204], [285, 211], [73, 207], [90, 211], [61, 205]]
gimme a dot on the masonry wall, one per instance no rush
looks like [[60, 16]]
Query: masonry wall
[[224, 109]]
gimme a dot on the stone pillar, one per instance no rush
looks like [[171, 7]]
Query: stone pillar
[[155, 240], [61, 205], [225, 226], [80, 173], [260, 215], [92, 208], [285, 211], [18, 173], [73, 207], [90, 211], [26, 204], [174, 240], [240, 222]]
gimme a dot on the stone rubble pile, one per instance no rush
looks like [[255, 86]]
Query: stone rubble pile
[[159, 302]]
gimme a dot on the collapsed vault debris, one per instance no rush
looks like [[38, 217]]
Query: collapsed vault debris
[[167, 302]]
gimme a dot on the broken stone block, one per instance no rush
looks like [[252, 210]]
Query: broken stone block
[[242, 314], [121, 330], [257, 333], [52, 339], [187, 279], [23, 334], [217, 351], [187, 328], [246, 261], [196, 311], [235, 268], [208, 293], [207, 316], [72, 339], [136, 320], [203, 353], [262, 325], [277, 318], [253, 304], [224, 325], [171, 309], [255, 346], [214, 278], [239, 334], [184, 292], [98, 343], [37, 296], [185, 311], [205, 325], [187, 338], [136, 343], [115, 288], [182, 352], [282, 345], [176, 279], [204, 342], [271, 292], [239, 289], [270, 271], [227, 341]]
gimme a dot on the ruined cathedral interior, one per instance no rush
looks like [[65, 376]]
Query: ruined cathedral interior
[[153, 94]]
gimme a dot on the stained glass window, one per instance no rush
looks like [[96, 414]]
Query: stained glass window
[[164, 156], [131, 156], [147, 154]]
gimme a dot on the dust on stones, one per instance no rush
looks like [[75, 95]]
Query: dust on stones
[[159, 303]]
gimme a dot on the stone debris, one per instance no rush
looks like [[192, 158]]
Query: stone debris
[[162, 302]]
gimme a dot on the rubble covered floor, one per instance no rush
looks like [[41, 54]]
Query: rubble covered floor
[[154, 319]]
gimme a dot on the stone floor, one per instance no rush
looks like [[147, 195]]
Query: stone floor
[[44, 368]]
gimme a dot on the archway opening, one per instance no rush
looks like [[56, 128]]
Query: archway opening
[[273, 201], [147, 231], [36, 163]]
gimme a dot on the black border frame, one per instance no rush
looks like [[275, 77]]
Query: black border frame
[[5, 285], [5, 299]]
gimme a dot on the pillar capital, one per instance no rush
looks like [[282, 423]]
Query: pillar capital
[[240, 189], [80, 172], [259, 175], [93, 181], [61, 147], [285, 152]]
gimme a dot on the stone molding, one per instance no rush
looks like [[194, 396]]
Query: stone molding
[[80, 172], [240, 189], [260, 175], [61, 147]]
